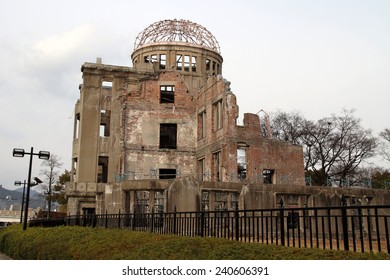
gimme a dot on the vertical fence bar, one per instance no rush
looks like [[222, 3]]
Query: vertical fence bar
[[361, 229], [385, 218], [337, 231], [311, 231], [304, 228], [281, 220], [106, 219], [316, 228], [152, 221], [174, 220], [345, 223], [378, 236], [330, 229], [237, 224], [369, 229]]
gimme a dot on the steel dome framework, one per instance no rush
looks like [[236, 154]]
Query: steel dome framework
[[177, 31]]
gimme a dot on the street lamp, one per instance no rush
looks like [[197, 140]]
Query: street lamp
[[42, 155], [19, 183]]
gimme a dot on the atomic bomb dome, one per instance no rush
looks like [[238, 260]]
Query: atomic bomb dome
[[178, 32]]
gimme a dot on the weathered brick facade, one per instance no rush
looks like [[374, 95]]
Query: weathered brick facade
[[171, 116]]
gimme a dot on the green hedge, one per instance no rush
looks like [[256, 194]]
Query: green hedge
[[79, 243]]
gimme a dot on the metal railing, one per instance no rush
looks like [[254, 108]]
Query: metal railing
[[357, 228]]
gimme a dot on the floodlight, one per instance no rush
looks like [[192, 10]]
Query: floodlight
[[44, 155], [39, 181], [18, 152], [18, 183]]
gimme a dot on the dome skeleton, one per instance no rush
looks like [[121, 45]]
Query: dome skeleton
[[177, 31]]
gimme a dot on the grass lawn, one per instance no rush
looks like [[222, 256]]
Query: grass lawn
[[79, 243]]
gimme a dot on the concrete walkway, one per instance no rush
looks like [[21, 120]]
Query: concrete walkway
[[4, 257]]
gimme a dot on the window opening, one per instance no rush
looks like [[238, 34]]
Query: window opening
[[205, 200], [104, 123], [234, 201], [77, 126], [221, 201], [214, 68], [202, 125], [166, 173], [269, 176], [187, 63], [163, 61], [102, 170], [106, 84], [74, 169], [153, 58], [193, 63], [201, 169], [158, 201], [141, 202], [179, 62], [217, 174], [168, 132], [208, 62], [241, 163], [217, 111], [167, 94]]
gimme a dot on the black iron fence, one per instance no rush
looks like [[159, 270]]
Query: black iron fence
[[357, 228]]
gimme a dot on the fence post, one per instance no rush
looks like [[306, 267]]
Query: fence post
[[202, 223], [119, 218], [174, 220], [152, 221], [345, 223], [106, 219], [281, 221], [237, 220]]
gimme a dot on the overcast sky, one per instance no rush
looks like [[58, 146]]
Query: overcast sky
[[315, 57]]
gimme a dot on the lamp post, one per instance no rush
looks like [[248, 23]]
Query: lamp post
[[19, 183], [42, 155]]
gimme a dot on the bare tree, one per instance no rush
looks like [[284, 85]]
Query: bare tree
[[51, 176], [384, 148], [333, 146]]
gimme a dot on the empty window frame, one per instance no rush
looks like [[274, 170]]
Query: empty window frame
[[168, 135], [221, 201], [179, 62], [104, 123], [163, 61], [202, 125], [217, 166], [208, 63], [193, 63], [102, 175], [217, 115], [150, 59], [166, 173], [205, 200], [153, 58], [158, 201], [201, 169], [269, 176], [76, 126], [187, 63], [141, 205], [167, 94], [241, 163]]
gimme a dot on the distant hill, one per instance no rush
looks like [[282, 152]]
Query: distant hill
[[13, 198]]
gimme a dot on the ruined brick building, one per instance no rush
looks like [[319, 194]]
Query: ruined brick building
[[164, 134]]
